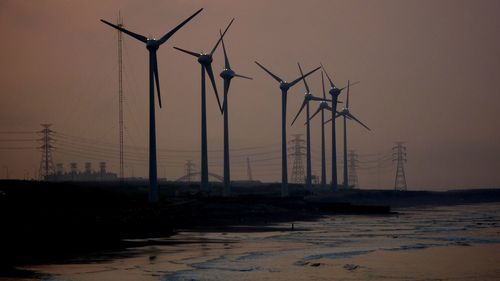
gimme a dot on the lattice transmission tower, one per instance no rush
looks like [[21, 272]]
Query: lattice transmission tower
[[189, 170], [399, 156], [249, 170], [47, 167], [352, 158], [297, 151]]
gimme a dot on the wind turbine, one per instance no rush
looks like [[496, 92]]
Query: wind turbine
[[347, 115], [322, 107], [205, 61], [307, 98], [152, 45], [284, 86], [334, 92], [227, 74]]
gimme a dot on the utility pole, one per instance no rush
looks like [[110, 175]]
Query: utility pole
[[353, 164], [189, 170], [249, 170], [46, 164], [399, 155], [120, 96], [297, 151], [379, 165]]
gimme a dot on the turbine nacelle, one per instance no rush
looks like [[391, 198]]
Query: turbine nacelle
[[205, 59], [284, 85], [323, 105], [335, 92], [152, 44], [308, 96], [227, 74]]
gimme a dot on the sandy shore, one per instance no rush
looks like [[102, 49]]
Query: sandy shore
[[439, 263]]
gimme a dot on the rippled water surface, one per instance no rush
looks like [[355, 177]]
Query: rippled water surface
[[397, 247]]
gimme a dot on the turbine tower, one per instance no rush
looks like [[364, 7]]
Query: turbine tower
[[205, 61], [152, 45], [284, 86], [307, 98], [347, 115], [227, 74], [120, 97], [322, 107]]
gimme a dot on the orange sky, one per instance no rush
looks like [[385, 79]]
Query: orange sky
[[428, 72]]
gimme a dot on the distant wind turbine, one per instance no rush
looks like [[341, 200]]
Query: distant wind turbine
[[322, 107], [284, 86], [347, 115], [334, 92], [205, 61], [227, 74], [305, 103], [152, 45]]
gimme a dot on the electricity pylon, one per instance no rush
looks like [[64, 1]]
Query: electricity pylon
[[399, 155]]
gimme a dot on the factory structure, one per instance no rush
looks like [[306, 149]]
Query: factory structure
[[88, 174]]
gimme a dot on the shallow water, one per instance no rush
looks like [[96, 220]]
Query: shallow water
[[341, 247]]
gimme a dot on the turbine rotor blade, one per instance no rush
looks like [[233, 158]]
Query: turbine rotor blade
[[323, 83], [269, 72], [315, 113], [210, 73], [319, 99], [139, 37], [352, 84], [243, 76], [226, 60], [157, 78], [302, 77], [347, 99], [328, 76], [171, 32], [357, 120], [220, 39], [327, 121], [304, 103], [188, 52]]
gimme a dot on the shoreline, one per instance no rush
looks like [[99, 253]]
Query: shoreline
[[41, 218]]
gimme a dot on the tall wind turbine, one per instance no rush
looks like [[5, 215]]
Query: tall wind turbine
[[347, 115], [334, 92], [227, 74], [307, 98], [322, 107], [284, 86], [152, 45], [205, 61]]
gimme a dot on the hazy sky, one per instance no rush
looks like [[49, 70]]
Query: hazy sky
[[428, 70]]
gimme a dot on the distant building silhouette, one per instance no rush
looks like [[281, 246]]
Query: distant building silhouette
[[87, 175]]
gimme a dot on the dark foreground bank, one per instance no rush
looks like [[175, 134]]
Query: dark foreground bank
[[56, 222]]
